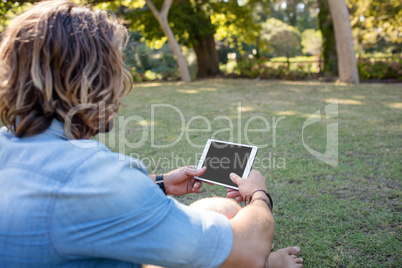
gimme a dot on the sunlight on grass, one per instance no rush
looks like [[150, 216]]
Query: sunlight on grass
[[344, 101], [245, 109], [146, 123], [208, 89], [154, 84], [395, 105], [188, 91], [290, 112]]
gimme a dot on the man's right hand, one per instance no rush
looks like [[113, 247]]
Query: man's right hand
[[255, 181]]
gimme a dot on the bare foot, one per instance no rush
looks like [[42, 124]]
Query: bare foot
[[285, 258]]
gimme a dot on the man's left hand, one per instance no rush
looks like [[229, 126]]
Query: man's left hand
[[181, 181]]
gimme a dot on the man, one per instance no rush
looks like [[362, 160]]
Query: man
[[63, 205]]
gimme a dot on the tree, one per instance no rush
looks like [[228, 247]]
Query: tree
[[347, 66], [283, 38], [196, 23], [193, 23], [311, 42], [163, 21]]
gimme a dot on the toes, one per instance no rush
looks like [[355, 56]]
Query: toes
[[299, 260], [292, 250]]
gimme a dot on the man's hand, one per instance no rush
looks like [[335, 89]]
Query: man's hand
[[254, 182], [181, 181]]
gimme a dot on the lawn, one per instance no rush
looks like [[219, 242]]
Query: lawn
[[343, 216]]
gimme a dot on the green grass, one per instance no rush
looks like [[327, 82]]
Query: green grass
[[348, 216]]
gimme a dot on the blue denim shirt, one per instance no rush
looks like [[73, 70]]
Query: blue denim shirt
[[61, 205]]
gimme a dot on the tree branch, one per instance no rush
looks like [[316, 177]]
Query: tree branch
[[153, 9], [165, 8]]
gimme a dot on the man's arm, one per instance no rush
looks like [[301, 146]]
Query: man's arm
[[110, 210], [152, 177], [253, 226]]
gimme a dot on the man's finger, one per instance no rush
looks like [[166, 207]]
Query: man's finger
[[233, 194], [194, 172], [235, 178], [239, 199], [197, 189], [197, 184]]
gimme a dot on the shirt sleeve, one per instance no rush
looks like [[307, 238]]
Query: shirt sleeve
[[106, 209]]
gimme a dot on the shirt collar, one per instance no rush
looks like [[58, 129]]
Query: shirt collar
[[56, 128]]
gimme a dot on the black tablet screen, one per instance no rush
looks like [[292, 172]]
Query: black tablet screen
[[223, 159]]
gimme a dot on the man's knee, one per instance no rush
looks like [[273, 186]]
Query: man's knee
[[225, 206]]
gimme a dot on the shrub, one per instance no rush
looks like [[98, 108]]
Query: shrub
[[150, 75], [370, 69], [137, 77], [249, 67], [262, 68], [166, 73]]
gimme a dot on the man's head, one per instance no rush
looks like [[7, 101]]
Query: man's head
[[56, 56]]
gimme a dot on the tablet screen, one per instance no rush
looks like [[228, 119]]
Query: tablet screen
[[223, 159]]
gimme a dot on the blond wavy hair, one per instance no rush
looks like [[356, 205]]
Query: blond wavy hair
[[57, 56]]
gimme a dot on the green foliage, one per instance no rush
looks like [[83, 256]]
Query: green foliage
[[223, 52], [144, 57], [311, 42], [284, 39], [9, 9], [229, 67], [301, 14], [378, 23], [235, 24], [328, 39], [150, 64], [192, 21], [150, 75], [137, 77], [261, 68], [377, 69]]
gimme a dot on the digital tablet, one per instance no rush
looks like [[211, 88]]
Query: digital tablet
[[222, 158]]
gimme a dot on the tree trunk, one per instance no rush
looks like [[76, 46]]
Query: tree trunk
[[207, 57], [257, 46], [162, 19], [201, 38], [329, 56], [347, 66]]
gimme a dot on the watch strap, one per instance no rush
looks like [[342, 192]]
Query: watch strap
[[161, 183]]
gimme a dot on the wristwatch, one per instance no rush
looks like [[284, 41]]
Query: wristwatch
[[161, 183]]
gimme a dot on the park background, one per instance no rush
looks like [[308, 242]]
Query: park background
[[280, 58]]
